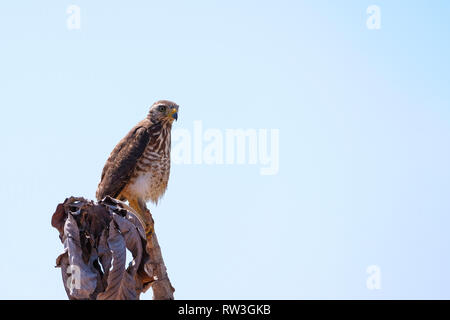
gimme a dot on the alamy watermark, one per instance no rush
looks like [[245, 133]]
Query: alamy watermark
[[73, 281], [227, 147], [73, 21], [373, 22], [373, 281]]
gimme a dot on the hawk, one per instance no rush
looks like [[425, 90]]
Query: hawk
[[138, 168]]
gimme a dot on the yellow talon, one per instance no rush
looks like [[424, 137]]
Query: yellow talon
[[149, 231]]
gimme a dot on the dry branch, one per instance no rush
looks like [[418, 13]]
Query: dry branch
[[96, 238]]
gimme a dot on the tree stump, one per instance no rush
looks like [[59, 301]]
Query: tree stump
[[97, 238]]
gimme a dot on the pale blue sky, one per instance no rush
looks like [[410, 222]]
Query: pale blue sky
[[364, 120]]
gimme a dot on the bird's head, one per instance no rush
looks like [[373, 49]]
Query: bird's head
[[163, 111]]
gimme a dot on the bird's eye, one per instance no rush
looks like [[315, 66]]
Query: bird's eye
[[162, 108]]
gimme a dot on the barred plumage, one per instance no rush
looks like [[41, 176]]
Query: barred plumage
[[138, 168]]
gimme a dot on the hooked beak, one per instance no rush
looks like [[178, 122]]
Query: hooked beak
[[174, 113]]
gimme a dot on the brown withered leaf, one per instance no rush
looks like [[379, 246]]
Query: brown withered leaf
[[96, 239]]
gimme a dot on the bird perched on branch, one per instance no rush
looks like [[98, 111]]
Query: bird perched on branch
[[138, 168]]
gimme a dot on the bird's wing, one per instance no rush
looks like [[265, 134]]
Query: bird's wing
[[121, 163]]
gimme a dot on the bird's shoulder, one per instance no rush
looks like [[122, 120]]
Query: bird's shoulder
[[123, 159], [137, 136]]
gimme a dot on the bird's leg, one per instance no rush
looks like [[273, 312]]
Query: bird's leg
[[140, 210], [147, 218], [144, 214]]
